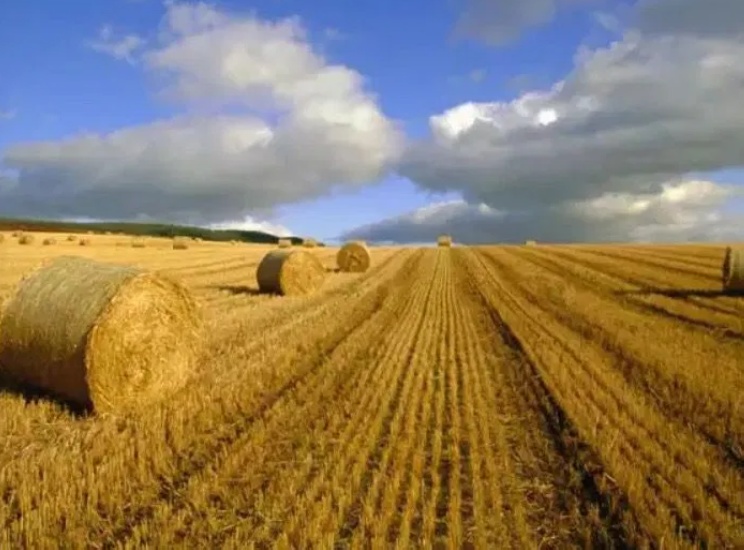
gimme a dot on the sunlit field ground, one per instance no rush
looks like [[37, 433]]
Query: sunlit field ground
[[489, 397]]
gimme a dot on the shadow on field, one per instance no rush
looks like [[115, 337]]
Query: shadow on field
[[332, 270], [680, 292], [237, 289], [33, 396]]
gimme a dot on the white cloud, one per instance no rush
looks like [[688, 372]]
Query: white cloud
[[299, 126], [122, 48], [628, 117], [691, 210], [252, 224], [499, 22]]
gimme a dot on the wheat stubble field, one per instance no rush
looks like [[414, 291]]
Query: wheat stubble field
[[484, 397]]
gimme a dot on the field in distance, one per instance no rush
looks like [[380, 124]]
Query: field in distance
[[484, 397]]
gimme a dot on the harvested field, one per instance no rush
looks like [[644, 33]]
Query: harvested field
[[483, 397]]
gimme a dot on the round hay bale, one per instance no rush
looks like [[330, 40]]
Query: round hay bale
[[84, 242], [733, 270], [180, 243], [72, 238], [25, 238], [103, 336], [284, 243], [138, 242], [290, 273], [49, 241], [444, 240], [354, 257], [530, 243], [309, 243]]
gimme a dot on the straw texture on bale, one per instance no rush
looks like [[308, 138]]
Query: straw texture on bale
[[25, 238], [733, 270], [444, 240], [285, 243], [104, 336], [180, 243], [310, 243], [138, 243], [49, 241], [290, 273], [354, 257]]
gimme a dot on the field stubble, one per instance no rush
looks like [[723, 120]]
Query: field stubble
[[486, 398]]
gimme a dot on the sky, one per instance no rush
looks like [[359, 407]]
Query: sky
[[553, 120]]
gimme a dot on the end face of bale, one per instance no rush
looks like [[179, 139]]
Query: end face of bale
[[290, 273], [733, 271], [354, 257], [107, 337]]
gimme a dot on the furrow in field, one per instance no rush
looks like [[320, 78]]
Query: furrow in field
[[248, 493], [546, 486], [697, 263], [678, 488], [676, 382], [668, 266], [655, 284], [151, 456]]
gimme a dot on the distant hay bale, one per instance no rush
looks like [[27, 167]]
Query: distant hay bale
[[50, 241], [72, 238], [733, 270], [284, 243], [138, 242], [354, 257], [310, 243], [2, 238], [530, 243], [84, 242], [180, 244], [25, 238], [103, 336], [444, 240], [290, 273], [16, 234]]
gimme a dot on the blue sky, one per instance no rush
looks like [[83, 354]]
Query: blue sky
[[64, 78]]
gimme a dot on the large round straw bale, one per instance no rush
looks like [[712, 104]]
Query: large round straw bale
[[104, 336], [290, 273], [26, 238], [354, 257], [444, 240], [733, 270], [180, 243], [309, 243], [285, 243], [49, 241], [138, 242]]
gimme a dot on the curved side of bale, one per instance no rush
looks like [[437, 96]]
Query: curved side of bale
[[104, 336], [180, 244], [284, 243], [444, 240], [733, 270], [25, 238], [354, 257], [290, 273]]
